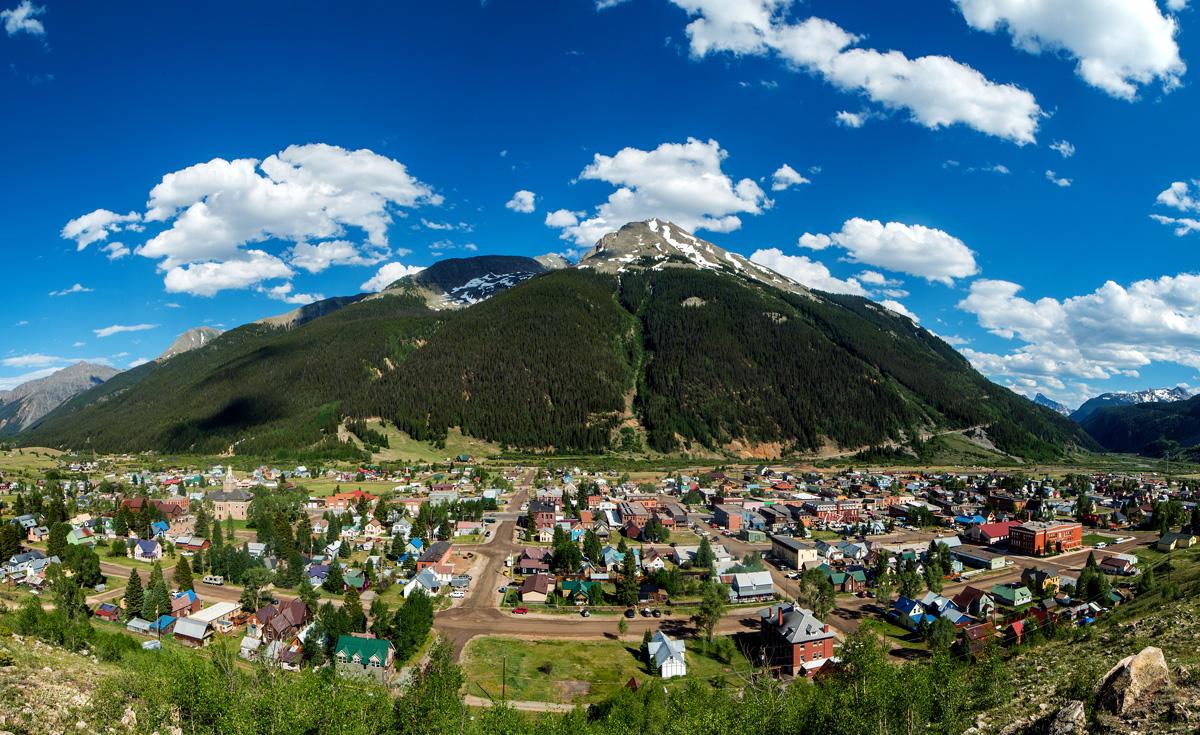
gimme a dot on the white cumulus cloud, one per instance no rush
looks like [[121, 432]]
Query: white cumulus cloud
[[23, 19], [322, 255], [522, 201], [785, 177], [811, 273], [1114, 330], [388, 274], [936, 91], [1119, 45], [1064, 148], [209, 278], [917, 250], [899, 308], [679, 182], [206, 215]]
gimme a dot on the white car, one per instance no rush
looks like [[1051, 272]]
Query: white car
[[458, 594]]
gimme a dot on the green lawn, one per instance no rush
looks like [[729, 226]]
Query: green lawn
[[572, 671], [894, 634], [402, 447], [1092, 539]]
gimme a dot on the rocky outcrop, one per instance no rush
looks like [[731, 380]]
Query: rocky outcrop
[[1070, 720], [1134, 681]]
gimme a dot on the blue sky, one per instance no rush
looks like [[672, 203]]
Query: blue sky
[[924, 145]]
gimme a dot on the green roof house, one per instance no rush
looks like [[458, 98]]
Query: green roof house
[[358, 656]]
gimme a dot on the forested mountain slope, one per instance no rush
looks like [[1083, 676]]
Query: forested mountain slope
[[687, 357], [1147, 428]]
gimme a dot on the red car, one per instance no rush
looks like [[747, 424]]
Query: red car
[[520, 610]]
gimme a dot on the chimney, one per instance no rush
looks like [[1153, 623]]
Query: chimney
[[780, 609], [827, 627]]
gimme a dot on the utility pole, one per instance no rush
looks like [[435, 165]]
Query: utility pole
[[504, 680]]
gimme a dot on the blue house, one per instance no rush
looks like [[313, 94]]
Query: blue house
[[910, 614], [159, 528]]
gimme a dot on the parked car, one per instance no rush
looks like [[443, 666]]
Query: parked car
[[656, 613], [458, 594], [215, 580], [645, 612], [522, 610], [585, 613], [629, 613]]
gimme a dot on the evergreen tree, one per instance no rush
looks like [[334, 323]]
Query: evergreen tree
[[352, 606], [57, 544], [307, 594], [627, 585], [592, 549], [229, 534], [157, 601], [134, 597], [705, 557], [182, 575], [333, 580]]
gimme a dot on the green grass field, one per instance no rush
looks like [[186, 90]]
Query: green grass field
[[1091, 539], [403, 448], [573, 671]]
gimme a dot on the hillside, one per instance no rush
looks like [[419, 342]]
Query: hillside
[[24, 405], [1147, 428], [630, 351]]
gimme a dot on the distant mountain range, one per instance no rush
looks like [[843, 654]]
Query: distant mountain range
[[657, 340], [28, 402], [1134, 398]]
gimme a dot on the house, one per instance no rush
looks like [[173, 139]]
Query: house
[[797, 642], [356, 655], [533, 561], [191, 544], [185, 603], [793, 552], [979, 558], [1012, 595], [845, 581], [536, 588], [1119, 564], [991, 534], [145, 550], [193, 632], [1038, 538], [976, 638], [232, 503], [81, 537], [108, 611], [909, 613], [339, 502], [750, 586], [1173, 541], [580, 590], [1044, 579], [668, 655], [279, 621], [427, 580], [137, 625], [437, 553]]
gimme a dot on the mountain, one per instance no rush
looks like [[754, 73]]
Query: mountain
[[1107, 400], [1150, 428], [189, 340], [458, 282], [28, 402], [656, 245], [1043, 400], [657, 340]]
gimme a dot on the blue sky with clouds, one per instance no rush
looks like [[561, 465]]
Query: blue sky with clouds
[[1017, 175]]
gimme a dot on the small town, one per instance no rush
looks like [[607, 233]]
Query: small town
[[720, 574]]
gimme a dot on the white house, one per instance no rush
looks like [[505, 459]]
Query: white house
[[668, 655]]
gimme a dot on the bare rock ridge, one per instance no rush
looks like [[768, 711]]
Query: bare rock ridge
[[193, 338], [656, 244], [28, 402]]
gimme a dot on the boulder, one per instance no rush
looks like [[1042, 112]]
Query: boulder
[[1070, 720], [1133, 681]]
